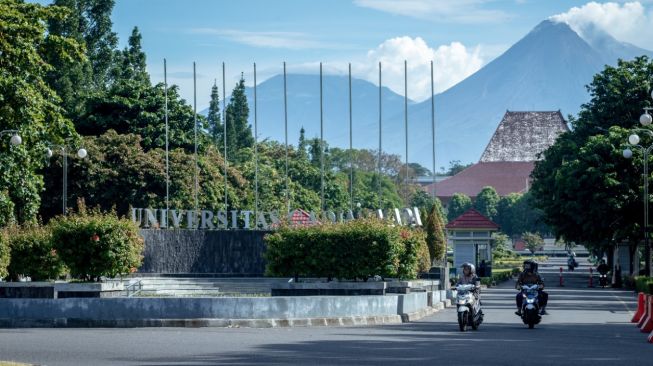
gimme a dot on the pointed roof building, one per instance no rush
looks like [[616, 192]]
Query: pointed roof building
[[509, 158]]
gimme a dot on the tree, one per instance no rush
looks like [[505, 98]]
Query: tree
[[500, 247], [505, 217], [422, 200], [455, 167], [302, 145], [29, 104], [88, 23], [130, 63], [419, 170], [486, 202], [588, 192], [435, 235], [459, 203], [214, 119], [533, 241], [239, 132]]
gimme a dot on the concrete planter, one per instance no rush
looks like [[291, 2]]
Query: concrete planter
[[353, 288], [329, 288], [54, 290]]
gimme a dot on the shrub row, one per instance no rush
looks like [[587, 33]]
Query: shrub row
[[354, 250], [500, 275], [86, 245]]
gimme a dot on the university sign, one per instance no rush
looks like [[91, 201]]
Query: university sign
[[246, 219]]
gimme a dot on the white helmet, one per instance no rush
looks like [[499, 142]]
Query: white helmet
[[472, 269]]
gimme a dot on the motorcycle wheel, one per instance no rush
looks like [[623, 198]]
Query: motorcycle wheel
[[462, 321], [472, 322], [531, 325]]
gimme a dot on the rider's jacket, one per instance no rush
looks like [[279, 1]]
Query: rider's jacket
[[528, 278]]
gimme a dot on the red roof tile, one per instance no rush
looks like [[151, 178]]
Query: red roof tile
[[505, 176], [472, 219]]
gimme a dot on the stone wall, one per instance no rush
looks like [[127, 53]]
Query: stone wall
[[204, 252]]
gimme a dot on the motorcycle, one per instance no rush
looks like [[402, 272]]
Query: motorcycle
[[530, 305], [469, 308], [603, 279]]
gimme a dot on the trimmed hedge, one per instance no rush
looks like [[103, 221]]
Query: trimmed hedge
[[357, 249], [32, 254], [97, 244], [644, 284], [500, 275]]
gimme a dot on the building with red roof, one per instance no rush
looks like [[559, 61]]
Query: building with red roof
[[509, 157], [470, 236]]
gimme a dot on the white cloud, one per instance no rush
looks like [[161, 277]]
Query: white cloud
[[627, 22], [452, 63], [287, 40], [452, 11]]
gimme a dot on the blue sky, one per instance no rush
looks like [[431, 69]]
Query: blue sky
[[459, 35]]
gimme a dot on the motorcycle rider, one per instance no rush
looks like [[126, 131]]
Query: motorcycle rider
[[530, 277], [603, 268], [469, 278]]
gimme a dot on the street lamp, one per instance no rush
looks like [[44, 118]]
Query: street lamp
[[81, 153], [15, 139], [645, 120]]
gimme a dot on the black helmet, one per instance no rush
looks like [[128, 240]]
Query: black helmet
[[530, 265]]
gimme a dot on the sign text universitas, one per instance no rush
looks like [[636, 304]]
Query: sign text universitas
[[245, 219]]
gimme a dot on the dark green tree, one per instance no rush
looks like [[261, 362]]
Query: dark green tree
[[459, 203], [588, 192], [29, 104], [436, 239], [214, 119], [239, 132], [302, 145], [486, 202]]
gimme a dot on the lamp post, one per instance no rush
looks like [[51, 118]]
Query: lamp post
[[81, 153], [645, 120], [15, 139]]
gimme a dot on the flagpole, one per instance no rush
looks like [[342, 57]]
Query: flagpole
[[406, 128], [351, 149], [380, 138], [165, 92], [195, 132], [433, 127], [224, 137], [255, 152], [321, 141], [285, 121]]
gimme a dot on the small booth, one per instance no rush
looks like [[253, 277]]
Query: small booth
[[470, 237]]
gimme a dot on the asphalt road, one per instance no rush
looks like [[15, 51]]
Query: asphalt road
[[585, 327]]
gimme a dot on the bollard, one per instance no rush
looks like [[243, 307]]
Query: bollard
[[591, 279], [647, 314], [641, 308], [562, 282], [647, 326]]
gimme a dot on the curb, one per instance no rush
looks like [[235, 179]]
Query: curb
[[199, 323]]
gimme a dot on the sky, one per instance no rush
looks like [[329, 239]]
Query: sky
[[459, 36]]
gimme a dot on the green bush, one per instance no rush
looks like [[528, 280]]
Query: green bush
[[643, 284], [4, 255], [32, 254], [353, 250], [415, 257], [97, 244]]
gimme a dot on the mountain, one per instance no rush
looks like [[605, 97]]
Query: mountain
[[546, 70], [303, 94]]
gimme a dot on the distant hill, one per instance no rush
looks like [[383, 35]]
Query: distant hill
[[546, 70]]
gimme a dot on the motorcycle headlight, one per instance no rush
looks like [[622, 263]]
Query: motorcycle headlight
[[530, 301]]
